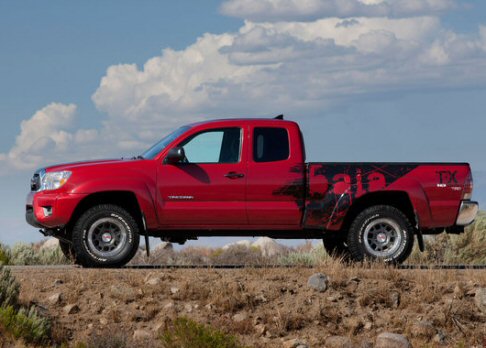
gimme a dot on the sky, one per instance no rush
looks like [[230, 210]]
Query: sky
[[367, 80]]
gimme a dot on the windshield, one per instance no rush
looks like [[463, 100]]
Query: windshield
[[155, 150]]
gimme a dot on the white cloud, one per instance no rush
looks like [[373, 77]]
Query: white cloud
[[310, 10], [291, 66], [45, 129], [168, 90], [46, 136]]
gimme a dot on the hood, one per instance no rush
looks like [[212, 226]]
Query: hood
[[77, 165], [86, 174]]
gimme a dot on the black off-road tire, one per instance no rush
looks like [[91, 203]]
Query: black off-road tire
[[378, 227], [67, 249], [89, 237], [335, 245]]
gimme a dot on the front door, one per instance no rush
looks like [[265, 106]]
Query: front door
[[209, 186]]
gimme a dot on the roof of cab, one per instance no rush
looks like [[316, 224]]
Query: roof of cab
[[266, 121]]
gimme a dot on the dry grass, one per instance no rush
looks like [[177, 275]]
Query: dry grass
[[466, 248], [362, 301], [207, 256]]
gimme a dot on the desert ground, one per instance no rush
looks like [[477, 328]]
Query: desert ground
[[350, 305], [274, 307]]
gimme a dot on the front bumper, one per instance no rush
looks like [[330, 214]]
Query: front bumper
[[30, 217], [51, 210], [467, 213]]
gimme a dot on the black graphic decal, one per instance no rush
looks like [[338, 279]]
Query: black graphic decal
[[340, 184], [334, 187], [296, 188], [447, 177]]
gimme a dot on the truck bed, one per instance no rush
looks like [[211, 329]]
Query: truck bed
[[434, 189]]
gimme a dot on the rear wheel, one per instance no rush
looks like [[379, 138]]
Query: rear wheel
[[381, 233], [335, 245], [105, 236]]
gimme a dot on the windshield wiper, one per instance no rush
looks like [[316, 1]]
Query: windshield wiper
[[138, 157]]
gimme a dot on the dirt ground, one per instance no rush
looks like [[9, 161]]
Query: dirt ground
[[263, 307]]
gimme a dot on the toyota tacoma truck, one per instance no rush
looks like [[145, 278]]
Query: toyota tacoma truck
[[246, 177]]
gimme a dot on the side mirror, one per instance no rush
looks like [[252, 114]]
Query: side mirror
[[175, 155]]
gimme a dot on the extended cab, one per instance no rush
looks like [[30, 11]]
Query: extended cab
[[246, 177]]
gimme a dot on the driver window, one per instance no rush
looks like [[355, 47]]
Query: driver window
[[214, 146]]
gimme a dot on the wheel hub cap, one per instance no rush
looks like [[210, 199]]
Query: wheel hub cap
[[381, 238], [106, 237]]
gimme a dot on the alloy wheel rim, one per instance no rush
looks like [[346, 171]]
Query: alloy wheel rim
[[107, 237], [382, 237]]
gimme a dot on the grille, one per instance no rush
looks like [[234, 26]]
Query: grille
[[35, 182]]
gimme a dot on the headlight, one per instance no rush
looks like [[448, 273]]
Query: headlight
[[54, 180]]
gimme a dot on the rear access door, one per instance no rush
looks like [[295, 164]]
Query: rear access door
[[275, 184]]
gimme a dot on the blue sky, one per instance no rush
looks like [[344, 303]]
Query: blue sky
[[372, 81]]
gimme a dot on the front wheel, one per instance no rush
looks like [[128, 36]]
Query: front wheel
[[381, 233], [105, 236], [67, 250]]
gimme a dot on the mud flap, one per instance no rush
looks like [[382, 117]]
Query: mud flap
[[420, 240], [147, 245]]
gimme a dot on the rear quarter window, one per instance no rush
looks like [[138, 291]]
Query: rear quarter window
[[270, 144]]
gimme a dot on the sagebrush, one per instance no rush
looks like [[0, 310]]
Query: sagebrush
[[33, 254], [26, 324], [4, 255], [186, 333], [9, 288], [18, 321], [466, 248]]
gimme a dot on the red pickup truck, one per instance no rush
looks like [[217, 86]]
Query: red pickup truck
[[246, 177]]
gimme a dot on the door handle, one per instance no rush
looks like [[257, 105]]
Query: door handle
[[234, 175]]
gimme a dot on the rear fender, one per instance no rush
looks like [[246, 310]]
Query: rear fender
[[418, 198], [345, 209]]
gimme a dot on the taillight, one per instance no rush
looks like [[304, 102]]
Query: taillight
[[468, 187]]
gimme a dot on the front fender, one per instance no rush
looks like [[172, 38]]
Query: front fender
[[143, 192]]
